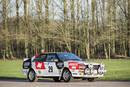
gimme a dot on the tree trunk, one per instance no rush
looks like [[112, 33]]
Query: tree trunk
[[17, 27], [128, 30], [88, 35], [26, 34], [6, 29], [105, 49], [103, 22], [93, 5], [47, 12], [65, 29], [114, 27], [73, 24], [110, 24]]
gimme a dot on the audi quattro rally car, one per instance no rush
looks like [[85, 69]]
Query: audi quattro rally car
[[61, 66]]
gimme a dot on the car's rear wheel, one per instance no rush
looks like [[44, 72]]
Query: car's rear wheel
[[66, 76], [32, 76], [56, 79], [91, 79]]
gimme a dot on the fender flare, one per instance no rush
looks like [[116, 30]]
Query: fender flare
[[65, 69]]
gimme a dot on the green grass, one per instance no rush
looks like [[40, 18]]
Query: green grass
[[11, 69], [116, 69]]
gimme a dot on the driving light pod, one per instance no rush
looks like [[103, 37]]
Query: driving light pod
[[100, 71], [90, 66], [87, 71], [102, 65]]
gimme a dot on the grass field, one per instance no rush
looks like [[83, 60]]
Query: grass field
[[116, 69]]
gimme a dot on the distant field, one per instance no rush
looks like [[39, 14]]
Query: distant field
[[116, 69], [11, 69]]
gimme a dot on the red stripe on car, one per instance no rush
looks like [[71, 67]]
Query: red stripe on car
[[37, 55]]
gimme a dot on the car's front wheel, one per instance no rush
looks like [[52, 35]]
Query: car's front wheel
[[32, 76], [66, 76]]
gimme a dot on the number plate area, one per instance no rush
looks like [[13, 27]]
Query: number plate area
[[90, 72]]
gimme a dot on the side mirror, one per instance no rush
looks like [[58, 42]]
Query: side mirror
[[55, 60]]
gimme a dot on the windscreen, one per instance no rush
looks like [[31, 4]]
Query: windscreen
[[68, 56]]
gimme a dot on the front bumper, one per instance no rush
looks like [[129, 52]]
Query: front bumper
[[25, 71], [88, 76], [82, 74]]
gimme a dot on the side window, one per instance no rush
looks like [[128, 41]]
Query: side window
[[51, 57], [40, 58]]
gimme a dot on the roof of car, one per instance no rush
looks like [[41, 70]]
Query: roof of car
[[52, 52]]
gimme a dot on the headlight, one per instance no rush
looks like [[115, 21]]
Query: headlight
[[87, 71], [82, 66], [90, 66], [102, 66], [100, 71]]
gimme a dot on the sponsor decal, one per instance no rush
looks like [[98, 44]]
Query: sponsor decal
[[50, 63], [81, 71], [74, 65], [39, 65], [74, 73], [39, 71]]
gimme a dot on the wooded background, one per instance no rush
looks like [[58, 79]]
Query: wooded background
[[88, 28]]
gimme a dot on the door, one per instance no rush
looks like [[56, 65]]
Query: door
[[38, 64], [51, 66]]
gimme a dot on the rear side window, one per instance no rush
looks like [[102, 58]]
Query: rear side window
[[51, 57], [40, 58]]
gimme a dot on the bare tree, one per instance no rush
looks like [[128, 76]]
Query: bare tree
[[25, 23], [6, 29], [128, 30]]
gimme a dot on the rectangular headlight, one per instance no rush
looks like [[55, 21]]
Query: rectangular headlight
[[82, 67]]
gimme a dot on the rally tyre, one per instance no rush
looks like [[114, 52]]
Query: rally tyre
[[66, 76], [56, 79], [91, 79], [32, 76]]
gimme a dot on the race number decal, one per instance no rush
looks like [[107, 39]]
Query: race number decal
[[50, 68]]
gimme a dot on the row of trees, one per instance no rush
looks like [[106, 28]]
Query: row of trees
[[88, 28]]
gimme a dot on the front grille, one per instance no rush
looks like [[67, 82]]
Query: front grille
[[96, 67]]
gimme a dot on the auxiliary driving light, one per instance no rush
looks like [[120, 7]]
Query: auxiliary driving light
[[102, 65], [90, 66], [87, 71]]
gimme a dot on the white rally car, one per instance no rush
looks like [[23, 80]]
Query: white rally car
[[61, 66]]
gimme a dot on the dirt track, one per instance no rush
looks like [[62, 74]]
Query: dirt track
[[51, 83]]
